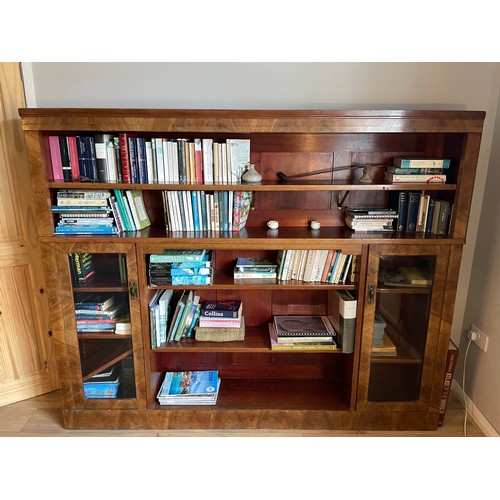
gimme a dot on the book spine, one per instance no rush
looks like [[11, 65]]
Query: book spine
[[125, 158], [208, 162], [219, 323], [421, 163], [413, 204], [347, 321], [73, 158], [55, 158], [142, 168], [66, 165], [92, 159], [428, 179], [451, 363]]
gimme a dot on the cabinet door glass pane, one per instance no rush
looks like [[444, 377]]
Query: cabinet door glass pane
[[102, 313], [400, 327]]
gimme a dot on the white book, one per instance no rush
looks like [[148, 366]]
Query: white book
[[149, 161], [208, 161], [222, 163], [160, 169], [188, 210], [230, 209], [239, 156], [174, 167], [111, 158]]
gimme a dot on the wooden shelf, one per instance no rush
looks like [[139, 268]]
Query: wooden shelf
[[98, 358], [272, 186], [270, 394], [256, 341]]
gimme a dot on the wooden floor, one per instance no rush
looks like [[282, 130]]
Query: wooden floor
[[41, 417]]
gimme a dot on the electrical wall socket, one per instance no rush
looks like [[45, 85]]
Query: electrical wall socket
[[481, 338]]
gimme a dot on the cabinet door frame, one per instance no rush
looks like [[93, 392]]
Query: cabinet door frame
[[436, 336], [64, 327]]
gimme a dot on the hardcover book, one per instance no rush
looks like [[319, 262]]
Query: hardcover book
[[347, 320], [214, 334], [173, 255], [451, 363], [286, 345], [421, 162], [303, 328], [222, 309]]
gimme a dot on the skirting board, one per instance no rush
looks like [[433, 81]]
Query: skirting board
[[473, 411]]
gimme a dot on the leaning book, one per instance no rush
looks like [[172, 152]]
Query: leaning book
[[190, 388]]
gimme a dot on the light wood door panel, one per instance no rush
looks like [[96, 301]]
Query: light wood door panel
[[27, 361]]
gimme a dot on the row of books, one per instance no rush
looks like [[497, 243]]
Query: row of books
[[417, 169], [128, 158], [418, 212], [206, 211], [328, 266], [86, 211]]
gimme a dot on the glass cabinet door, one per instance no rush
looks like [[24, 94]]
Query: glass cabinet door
[[404, 299], [102, 309]]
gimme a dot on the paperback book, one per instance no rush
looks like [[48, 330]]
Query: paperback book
[[190, 387]]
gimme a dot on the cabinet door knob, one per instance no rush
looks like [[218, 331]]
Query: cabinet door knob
[[371, 293]]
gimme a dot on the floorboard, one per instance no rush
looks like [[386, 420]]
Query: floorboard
[[41, 417]]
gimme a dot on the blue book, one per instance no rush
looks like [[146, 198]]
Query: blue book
[[399, 202], [430, 214], [413, 204], [195, 209], [141, 160]]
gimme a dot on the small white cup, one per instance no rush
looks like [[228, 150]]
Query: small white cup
[[315, 224], [273, 224]]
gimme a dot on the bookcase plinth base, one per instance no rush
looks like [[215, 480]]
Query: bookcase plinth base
[[192, 419]]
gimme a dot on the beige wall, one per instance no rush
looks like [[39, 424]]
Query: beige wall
[[473, 86]]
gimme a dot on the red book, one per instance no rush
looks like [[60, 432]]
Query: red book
[[73, 159], [451, 363], [124, 157], [55, 157]]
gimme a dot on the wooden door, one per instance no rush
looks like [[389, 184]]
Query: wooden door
[[27, 361]]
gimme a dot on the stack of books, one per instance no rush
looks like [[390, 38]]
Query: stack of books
[[255, 267], [382, 344], [190, 388], [103, 385], [84, 211], [302, 333], [370, 219], [221, 321], [97, 313], [419, 170], [180, 267]]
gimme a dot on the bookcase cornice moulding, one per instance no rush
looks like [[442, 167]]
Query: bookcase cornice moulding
[[251, 121]]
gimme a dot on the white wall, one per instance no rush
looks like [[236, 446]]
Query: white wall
[[472, 86]]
